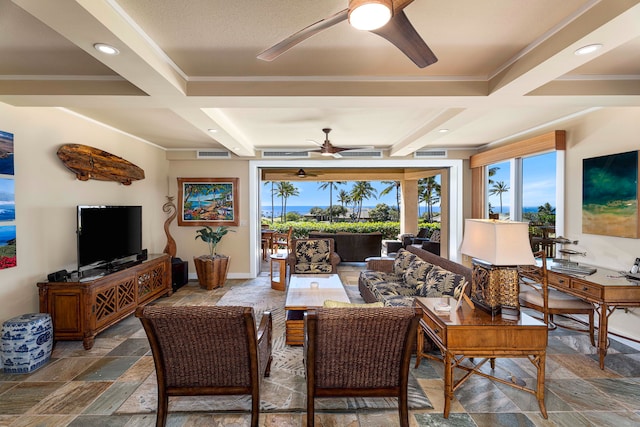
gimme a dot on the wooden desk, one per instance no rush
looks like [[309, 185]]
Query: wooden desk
[[606, 290], [467, 334]]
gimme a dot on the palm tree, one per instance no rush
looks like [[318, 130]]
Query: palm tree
[[392, 185], [272, 196], [547, 213], [498, 189], [331, 185], [429, 191], [344, 198], [362, 190], [492, 172], [285, 189]]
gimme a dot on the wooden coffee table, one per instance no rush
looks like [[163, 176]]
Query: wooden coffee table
[[307, 291], [466, 334]]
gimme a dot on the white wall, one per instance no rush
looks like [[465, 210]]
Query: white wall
[[607, 131], [235, 244], [47, 195]]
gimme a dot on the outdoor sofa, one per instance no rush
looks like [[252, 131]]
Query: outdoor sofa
[[353, 247]]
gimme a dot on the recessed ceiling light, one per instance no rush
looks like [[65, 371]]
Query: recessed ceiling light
[[590, 48], [105, 48], [213, 130], [443, 130]]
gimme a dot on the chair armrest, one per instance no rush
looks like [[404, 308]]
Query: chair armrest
[[383, 265], [335, 258], [264, 335]]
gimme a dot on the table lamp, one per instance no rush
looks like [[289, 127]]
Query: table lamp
[[497, 248]]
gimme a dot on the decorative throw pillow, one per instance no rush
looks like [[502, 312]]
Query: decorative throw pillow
[[313, 251], [402, 260], [440, 282], [435, 236], [339, 304], [416, 272]]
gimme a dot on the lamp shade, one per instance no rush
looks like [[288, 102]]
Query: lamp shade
[[497, 242]]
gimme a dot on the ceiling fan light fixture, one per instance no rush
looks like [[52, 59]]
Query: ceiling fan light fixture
[[301, 173], [369, 14]]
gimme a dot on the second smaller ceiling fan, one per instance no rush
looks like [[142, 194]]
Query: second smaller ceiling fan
[[328, 149]]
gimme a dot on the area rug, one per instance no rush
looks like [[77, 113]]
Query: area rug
[[285, 389]]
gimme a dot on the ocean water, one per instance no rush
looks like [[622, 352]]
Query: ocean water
[[302, 210], [6, 165], [7, 233], [7, 212]]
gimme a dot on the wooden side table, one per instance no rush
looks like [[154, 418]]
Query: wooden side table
[[466, 334], [278, 271]]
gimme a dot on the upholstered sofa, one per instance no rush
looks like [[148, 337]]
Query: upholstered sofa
[[353, 247], [413, 273]]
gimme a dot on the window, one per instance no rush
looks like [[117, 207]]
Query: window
[[523, 189], [498, 190]]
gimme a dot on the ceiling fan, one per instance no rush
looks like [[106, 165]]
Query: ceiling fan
[[303, 174], [328, 149], [389, 21]]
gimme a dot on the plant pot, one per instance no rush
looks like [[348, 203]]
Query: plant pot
[[212, 272]]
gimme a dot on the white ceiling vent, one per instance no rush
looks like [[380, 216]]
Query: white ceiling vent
[[377, 154], [283, 154], [430, 153], [213, 154]]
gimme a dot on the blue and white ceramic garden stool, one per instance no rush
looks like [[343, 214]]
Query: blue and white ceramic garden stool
[[27, 341]]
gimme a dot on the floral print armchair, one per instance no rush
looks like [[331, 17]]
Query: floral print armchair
[[313, 256]]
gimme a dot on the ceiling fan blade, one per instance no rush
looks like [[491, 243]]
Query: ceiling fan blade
[[404, 36], [279, 48]]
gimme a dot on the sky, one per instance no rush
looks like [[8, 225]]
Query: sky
[[539, 187], [539, 181]]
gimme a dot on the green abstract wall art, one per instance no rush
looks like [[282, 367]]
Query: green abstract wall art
[[610, 195]]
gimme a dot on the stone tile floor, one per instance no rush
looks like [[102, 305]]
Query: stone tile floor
[[82, 388]]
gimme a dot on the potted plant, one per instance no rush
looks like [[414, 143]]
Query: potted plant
[[212, 269]]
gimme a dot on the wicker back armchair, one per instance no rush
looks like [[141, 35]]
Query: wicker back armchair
[[207, 350], [359, 352]]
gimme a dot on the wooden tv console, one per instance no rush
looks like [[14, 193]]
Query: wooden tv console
[[81, 310]]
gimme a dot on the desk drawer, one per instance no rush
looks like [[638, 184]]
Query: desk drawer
[[558, 281], [436, 328], [586, 288]]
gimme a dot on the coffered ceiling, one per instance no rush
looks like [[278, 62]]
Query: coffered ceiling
[[506, 69]]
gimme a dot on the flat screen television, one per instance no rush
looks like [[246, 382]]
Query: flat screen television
[[108, 235]]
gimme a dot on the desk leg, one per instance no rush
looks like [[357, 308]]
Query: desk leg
[[603, 326], [540, 387], [419, 345], [448, 383]]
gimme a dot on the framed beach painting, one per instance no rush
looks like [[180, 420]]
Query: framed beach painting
[[6, 153], [610, 195], [208, 201]]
